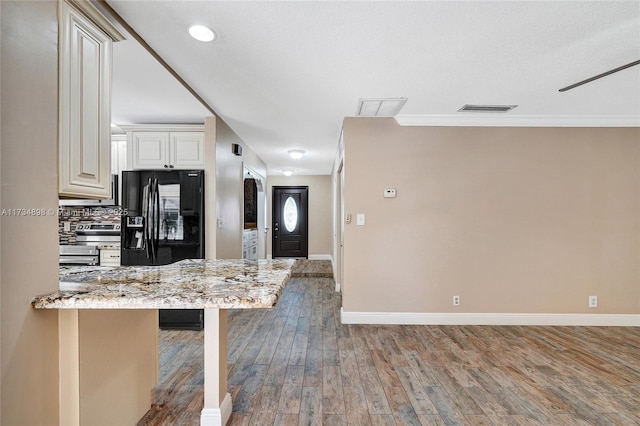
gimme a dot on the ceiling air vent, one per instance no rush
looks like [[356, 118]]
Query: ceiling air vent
[[487, 108], [380, 107]]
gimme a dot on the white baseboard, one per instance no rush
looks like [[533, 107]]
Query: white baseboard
[[312, 257], [217, 416], [320, 257], [620, 320]]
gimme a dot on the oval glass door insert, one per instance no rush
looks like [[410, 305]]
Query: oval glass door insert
[[290, 214]]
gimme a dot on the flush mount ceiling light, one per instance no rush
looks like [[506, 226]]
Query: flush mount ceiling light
[[201, 33], [296, 154], [487, 108], [380, 107], [288, 172]]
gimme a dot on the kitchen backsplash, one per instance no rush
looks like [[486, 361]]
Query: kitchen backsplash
[[77, 215]]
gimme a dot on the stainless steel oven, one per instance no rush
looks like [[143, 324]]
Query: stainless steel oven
[[90, 237], [79, 255]]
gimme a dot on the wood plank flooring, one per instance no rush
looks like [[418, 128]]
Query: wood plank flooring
[[297, 365]]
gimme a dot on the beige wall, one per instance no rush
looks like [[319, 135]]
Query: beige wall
[[230, 190], [210, 214], [1, 226], [320, 210], [118, 360], [29, 244], [513, 220]]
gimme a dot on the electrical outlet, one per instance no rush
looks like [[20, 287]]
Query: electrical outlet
[[593, 301], [456, 300]]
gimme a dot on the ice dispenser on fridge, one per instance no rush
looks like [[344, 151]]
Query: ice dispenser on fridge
[[134, 232]]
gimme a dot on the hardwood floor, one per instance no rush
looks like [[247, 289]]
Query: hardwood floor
[[297, 365]]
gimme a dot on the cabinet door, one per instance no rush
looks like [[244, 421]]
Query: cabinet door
[[122, 155], [149, 150], [85, 78], [187, 150], [109, 257], [118, 154], [114, 157]]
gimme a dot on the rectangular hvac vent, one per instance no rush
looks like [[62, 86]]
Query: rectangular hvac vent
[[487, 108], [380, 107]]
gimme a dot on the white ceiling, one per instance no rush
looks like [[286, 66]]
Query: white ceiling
[[284, 75]]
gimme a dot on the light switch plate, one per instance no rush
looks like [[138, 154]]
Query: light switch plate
[[360, 219], [390, 193]]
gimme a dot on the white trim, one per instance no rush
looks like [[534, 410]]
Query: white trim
[[217, 416], [320, 257], [624, 320], [504, 120], [91, 12], [337, 287], [162, 127]]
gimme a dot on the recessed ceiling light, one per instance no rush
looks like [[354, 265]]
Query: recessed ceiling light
[[296, 154], [201, 33]]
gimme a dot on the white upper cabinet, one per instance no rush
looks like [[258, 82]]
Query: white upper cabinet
[[186, 150], [118, 154], [85, 50], [150, 150], [165, 147]]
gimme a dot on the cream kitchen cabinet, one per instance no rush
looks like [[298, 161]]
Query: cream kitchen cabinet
[[85, 51], [118, 154], [250, 244], [174, 147], [109, 257]]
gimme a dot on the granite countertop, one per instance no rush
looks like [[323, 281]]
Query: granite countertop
[[188, 284]]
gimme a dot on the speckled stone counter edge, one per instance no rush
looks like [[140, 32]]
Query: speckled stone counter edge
[[188, 284]]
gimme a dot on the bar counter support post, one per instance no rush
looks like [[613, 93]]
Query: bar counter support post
[[217, 401]]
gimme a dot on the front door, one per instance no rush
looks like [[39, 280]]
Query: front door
[[290, 221]]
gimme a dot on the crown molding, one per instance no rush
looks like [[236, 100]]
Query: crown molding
[[501, 120], [91, 12]]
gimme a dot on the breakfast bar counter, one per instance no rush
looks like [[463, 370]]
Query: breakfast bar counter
[[108, 324], [188, 284]]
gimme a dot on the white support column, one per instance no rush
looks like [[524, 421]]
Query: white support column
[[69, 364], [217, 401]]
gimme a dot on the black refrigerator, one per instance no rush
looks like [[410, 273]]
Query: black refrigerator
[[164, 223]]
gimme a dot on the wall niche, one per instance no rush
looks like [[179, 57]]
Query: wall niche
[[250, 203]]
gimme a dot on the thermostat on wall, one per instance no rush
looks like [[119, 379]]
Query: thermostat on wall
[[390, 193]]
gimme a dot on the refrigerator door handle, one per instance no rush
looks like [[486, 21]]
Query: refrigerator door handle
[[152, 219], [147, 222], [156, 207]]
